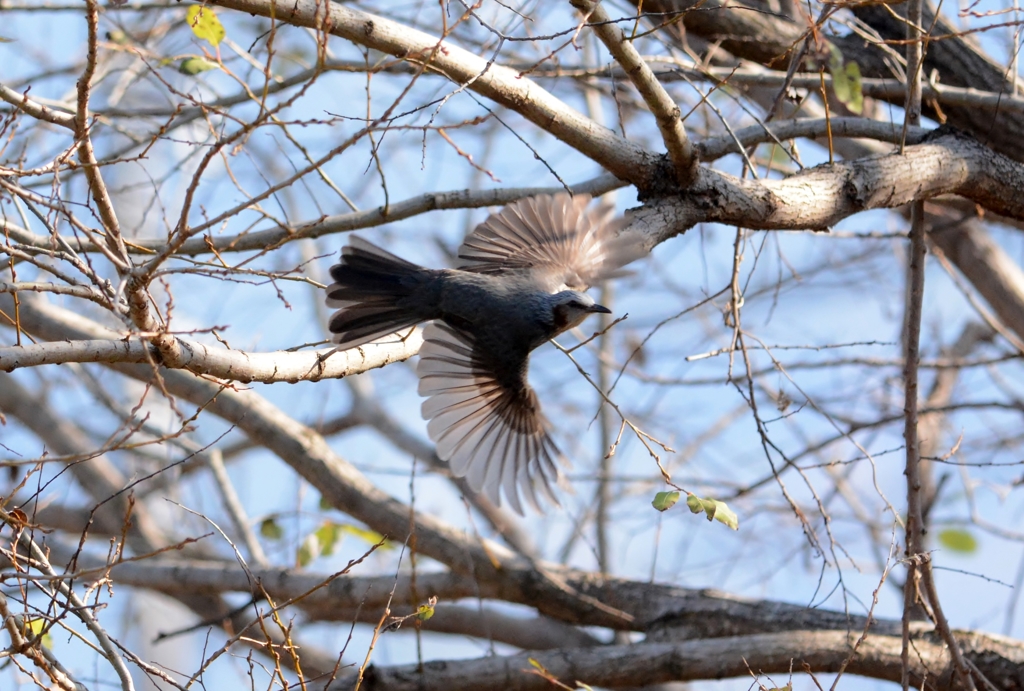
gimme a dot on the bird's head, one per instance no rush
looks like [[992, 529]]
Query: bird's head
[[570, 307]]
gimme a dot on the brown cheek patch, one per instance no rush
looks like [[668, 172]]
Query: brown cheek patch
[[561, 315]]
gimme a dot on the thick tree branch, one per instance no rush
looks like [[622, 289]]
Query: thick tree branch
[[820, 197], [230, 365], [634, 666]]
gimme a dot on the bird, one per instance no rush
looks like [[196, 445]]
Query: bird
[[519, 282]]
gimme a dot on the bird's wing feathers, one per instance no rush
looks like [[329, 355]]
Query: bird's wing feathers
[[489, 432], [556, 236]]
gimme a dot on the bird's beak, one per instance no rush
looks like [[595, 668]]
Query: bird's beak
[[600, 309]]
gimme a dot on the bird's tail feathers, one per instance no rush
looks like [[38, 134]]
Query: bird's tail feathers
[[369, 284]]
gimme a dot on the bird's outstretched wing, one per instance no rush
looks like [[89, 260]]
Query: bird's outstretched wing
[[491, 432], [555, 235]]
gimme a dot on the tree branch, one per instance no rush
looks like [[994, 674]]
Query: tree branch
[[820, 197], [230, 365], [662, 106], [644, 664], [37, 110]]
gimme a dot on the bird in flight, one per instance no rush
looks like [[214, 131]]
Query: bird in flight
[[519, 283]]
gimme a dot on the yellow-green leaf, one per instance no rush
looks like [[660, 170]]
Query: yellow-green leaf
[[205, 25], [119, 37], [846, 82], [308, 550], [856, 91], [726, 516], [194, 65], [694, 503], [714, 509], [663, 501], [424, 612], [958, 540], [840, 85], [329, 536], [270, 529], [365, 534], [37, 626]]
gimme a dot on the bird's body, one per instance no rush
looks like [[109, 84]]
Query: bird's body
[[521, 283]]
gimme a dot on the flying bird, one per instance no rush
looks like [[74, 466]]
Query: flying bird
[[519, 282]]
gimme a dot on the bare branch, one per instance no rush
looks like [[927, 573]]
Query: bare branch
[[230, 365], [664, 109], [644, 664], [37, 110], [820, 197]]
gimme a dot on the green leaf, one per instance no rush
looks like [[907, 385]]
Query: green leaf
[[308, 550], [424, 612], [330, 535], [324, 540], [270, 529], [856, 102], [958, 540], [840, 84], [726, 516], [193, 66], [324, 504], [205, 25], [694, 503], [846, 82], [663, 501], [715, 510]]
